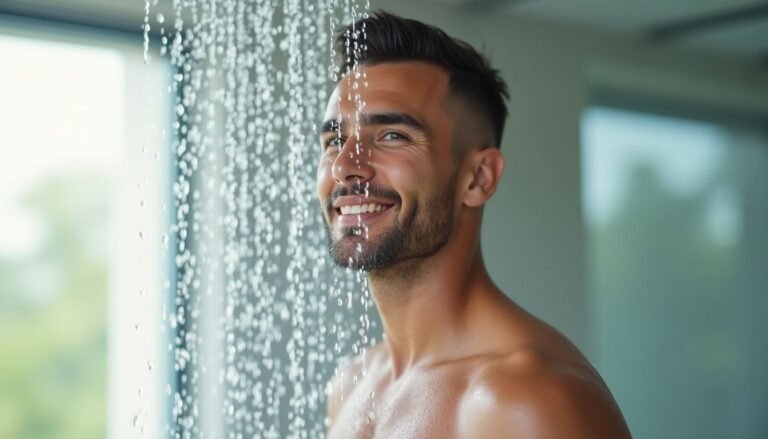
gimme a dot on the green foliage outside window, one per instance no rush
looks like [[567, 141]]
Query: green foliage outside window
[[53, 317]]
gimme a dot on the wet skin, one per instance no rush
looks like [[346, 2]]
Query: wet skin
[[459, 359]]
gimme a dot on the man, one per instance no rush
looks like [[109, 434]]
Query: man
[[402, 181]]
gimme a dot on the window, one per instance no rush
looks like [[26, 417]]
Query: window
[[676, 211], [81, 165]]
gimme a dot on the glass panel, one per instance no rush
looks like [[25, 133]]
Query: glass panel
[[676, 212], [61, 132]]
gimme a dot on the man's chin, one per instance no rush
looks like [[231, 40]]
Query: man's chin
[[349, 248], [364, 248], [357, 253], [350, 260]]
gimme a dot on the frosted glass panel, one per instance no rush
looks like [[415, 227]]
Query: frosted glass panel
[[677, 218]]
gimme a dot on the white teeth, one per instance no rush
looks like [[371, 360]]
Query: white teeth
[[361, 208]]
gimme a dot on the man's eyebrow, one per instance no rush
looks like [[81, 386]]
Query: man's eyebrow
[[330, 126], [393, 119], [333, 125]]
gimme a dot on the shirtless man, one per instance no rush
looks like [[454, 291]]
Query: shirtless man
[[402, 186]]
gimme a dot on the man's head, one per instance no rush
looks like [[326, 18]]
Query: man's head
[[387, 38], [409, 145]]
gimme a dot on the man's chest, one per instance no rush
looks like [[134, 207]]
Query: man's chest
[[419, 407]]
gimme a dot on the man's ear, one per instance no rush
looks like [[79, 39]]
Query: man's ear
[[486, 167]]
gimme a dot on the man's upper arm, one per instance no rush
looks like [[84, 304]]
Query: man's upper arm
[[540, 405]]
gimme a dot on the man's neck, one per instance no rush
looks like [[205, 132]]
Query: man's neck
[[427, 310]]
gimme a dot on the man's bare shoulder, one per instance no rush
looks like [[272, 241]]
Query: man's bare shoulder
[[531, 393]]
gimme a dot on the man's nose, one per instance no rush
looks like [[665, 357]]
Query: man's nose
[[352, 164]]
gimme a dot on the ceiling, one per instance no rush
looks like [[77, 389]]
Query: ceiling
[[738, 27]]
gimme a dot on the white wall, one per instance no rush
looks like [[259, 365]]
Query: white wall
[[533, 236]]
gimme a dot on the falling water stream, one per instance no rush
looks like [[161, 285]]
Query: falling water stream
[[258, 317]]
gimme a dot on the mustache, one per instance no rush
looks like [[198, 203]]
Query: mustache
[[360, 189]]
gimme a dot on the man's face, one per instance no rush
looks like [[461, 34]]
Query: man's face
[[385, 177]]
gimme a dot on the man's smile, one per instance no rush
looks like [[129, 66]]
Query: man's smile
[[356, 209]]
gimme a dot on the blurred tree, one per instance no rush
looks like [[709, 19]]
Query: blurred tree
[[53, 317]]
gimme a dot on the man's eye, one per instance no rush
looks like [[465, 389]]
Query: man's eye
[[393, 136], [333, 141]]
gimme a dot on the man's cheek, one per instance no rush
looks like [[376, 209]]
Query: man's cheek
[[321, 171], [323, 182]]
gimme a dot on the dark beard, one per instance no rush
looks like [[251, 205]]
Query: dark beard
[[421, 234]]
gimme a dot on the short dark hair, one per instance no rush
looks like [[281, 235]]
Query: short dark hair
[[386, 37]]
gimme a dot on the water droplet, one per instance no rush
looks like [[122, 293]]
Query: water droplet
[[160, 18], [245, 231]]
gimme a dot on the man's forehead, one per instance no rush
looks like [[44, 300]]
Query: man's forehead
[[412, 87], [392, 73]]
